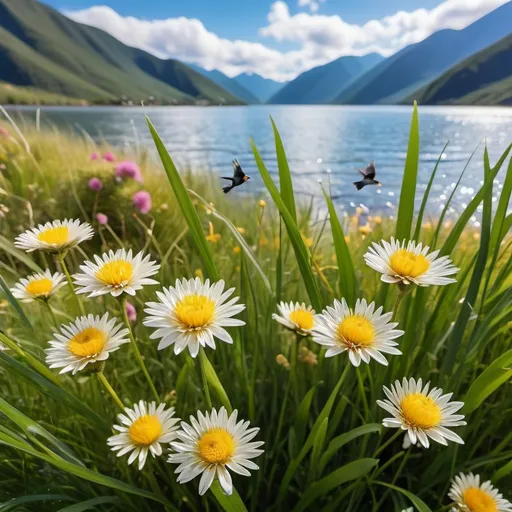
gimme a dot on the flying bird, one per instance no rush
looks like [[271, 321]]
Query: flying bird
[[239, 177], [368, 177]]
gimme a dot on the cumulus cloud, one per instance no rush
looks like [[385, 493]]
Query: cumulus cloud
[[318, 38]]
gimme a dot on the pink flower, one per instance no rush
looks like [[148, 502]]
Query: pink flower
[[3, 132], [128, 169], [142, 201], [102, 219], [94, 156], [109, 156], [131, 312], [95, 184]]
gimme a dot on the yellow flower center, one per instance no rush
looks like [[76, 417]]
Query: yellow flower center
[[145, 430], [478, 500], [420, 410], [194, 311], [39, 287], [87, 343], [217, 446], [54, 236], [304, 319], [407, 264], [115, 273], [356, 330]]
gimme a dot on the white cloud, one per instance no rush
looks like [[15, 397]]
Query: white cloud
[[319, 38], [313, 5]]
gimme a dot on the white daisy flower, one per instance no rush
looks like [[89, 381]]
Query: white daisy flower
[[364, 332], [143, 430], [191, 314], [38, 286], [296, 317], [115, 273], [421, 413], [471, 496], [54, 236], [87, 340], [212, 444], [408, 262]]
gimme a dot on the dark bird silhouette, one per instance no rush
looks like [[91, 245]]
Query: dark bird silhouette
[[368, 177], [239, 177]]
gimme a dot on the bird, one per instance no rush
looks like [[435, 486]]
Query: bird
[[239, 177], [368, 177]]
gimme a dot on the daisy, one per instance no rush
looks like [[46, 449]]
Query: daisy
[[212, 444], [55, 236], [296, 317], [421, 413], [471, 496], [363, 331], [143, 430], [38, 286], [191, 314], [87, 340], [115, 273], [409, 263]]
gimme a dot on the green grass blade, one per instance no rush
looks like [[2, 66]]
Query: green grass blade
[[8, 247], [91, 504], [15, 503], [348, 472], [303, 414], [503, 471], [14, 303], [214, 382], [285, 177], [231, 503], [346, 271], [495, 375], [48, 388], [318, 446], [426, 194], [187, 208], [301, 251], [408, 192], [419, 504]]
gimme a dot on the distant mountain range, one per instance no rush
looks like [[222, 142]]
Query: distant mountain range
[[324, 83], [42, 50], [416, 65], [483, 78], [39, 47]]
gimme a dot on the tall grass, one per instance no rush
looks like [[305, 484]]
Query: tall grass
[[325, 447]]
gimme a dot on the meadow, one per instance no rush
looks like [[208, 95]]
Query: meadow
[[325, 444]]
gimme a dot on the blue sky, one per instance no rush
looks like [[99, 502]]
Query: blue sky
[[275, 38]]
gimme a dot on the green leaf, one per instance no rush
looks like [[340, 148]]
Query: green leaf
[[14, 303], [231, 503], [303, 414], [408, 192], [8, 247], [301, 251], [503, 471], [285, 178], [91, 504], [16, 502], [338, 442], [318, 446], [214, 382], [419, 504], [348, 472], [496, 374], [187, 208], [45, 386], [346, 272]]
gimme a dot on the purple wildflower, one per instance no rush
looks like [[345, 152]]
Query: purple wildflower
[[142, 201], [95, 184], [109, 156], [102, 219], [131, 312], [129, 169]]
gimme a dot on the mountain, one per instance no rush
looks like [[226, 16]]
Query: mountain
[[41, 48], [418, 64], [323, 83], [227, 83], [262, 88], [483, 78]]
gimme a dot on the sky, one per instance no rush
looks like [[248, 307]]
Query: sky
[[277, 39]]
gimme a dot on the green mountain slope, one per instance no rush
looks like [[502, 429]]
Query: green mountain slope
[[16, 95], [416, 65], [66, 57], [323, 83], [262, 88], [481, 78]]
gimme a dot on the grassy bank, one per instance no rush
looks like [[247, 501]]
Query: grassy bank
[[325, 445], [16, 95]]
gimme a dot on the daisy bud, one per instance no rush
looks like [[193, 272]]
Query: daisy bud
[[131, 312]]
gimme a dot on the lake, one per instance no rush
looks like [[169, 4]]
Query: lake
[[322, 142]]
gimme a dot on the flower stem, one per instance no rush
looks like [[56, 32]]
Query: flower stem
[[110, 389], [202, 365], [388, 442], [52, 314], [135, 348], [61, 257]]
